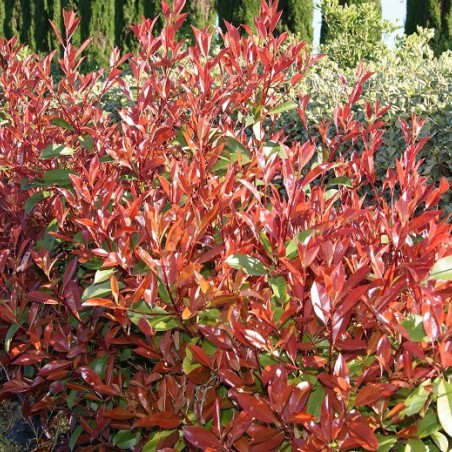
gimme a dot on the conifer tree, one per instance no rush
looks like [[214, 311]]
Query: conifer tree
[[201, 12], [98, 23], [2, 19], [13, 18], [237, 12], [297, 17], [127, 12], [435, 14]]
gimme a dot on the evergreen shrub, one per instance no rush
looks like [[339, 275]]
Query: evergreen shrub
[[185, 277]]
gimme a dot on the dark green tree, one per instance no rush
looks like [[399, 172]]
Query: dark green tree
[[297, 17], [98, 23], [2, 18], [435, 14], [201, 13], [127, 12], [13, 18], [237, 12]]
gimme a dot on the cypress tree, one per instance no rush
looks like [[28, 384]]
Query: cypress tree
[[98, 23], [13, 18], [424, 13], [201, 12], [237, 12], [2, 19], [297, 17], [127, 12], [27, 28], [435, 14]]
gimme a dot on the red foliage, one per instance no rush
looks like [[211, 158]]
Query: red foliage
[[154, 278]]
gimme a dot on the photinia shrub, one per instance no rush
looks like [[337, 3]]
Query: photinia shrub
[[184, 279]]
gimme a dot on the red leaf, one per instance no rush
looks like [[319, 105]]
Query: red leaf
[[301, 418], [118, 414], [164, 419], [201, 438], [373, 392], [256, 408], [361, 432], [104, 302], [69, 273], [90, 376], [31, 357]]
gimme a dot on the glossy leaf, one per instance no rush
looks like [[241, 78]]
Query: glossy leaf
[[248, 264], [285, 106], [126, 439], [444, 405], [442, 270], [56, 150]]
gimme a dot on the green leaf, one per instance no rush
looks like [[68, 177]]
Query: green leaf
[[99, 365], [345, 181], [49, 241], [441, 441], [151, 445], [103, 275], [34, 199], [428, 425], [58, 177], [286, 106], [107, 159], [415, 445], [12, 330], [266, 242], [444, 405], [56, 150], [99, 290], [70, 399], [442, 270], [236, 147], [87, 142], [250, 265], [315, 401], [157, 317], [60, 122], [126, 439], [385, 443], [291, 247], [414, 326], [74, 437], [415, 401], [279, 288]]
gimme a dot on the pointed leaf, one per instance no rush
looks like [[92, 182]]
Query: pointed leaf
[[247, 264], [60, 122], [286, 106], [34, 199], [442, 270], [201, 438], [444, 405], [56, 150]]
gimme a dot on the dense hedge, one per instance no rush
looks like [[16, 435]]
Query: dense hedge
[[410, 79], [188, 275]]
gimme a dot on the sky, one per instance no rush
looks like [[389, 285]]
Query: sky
[[392, 10]]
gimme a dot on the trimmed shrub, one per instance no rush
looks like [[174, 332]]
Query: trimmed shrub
[[188, 278]]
